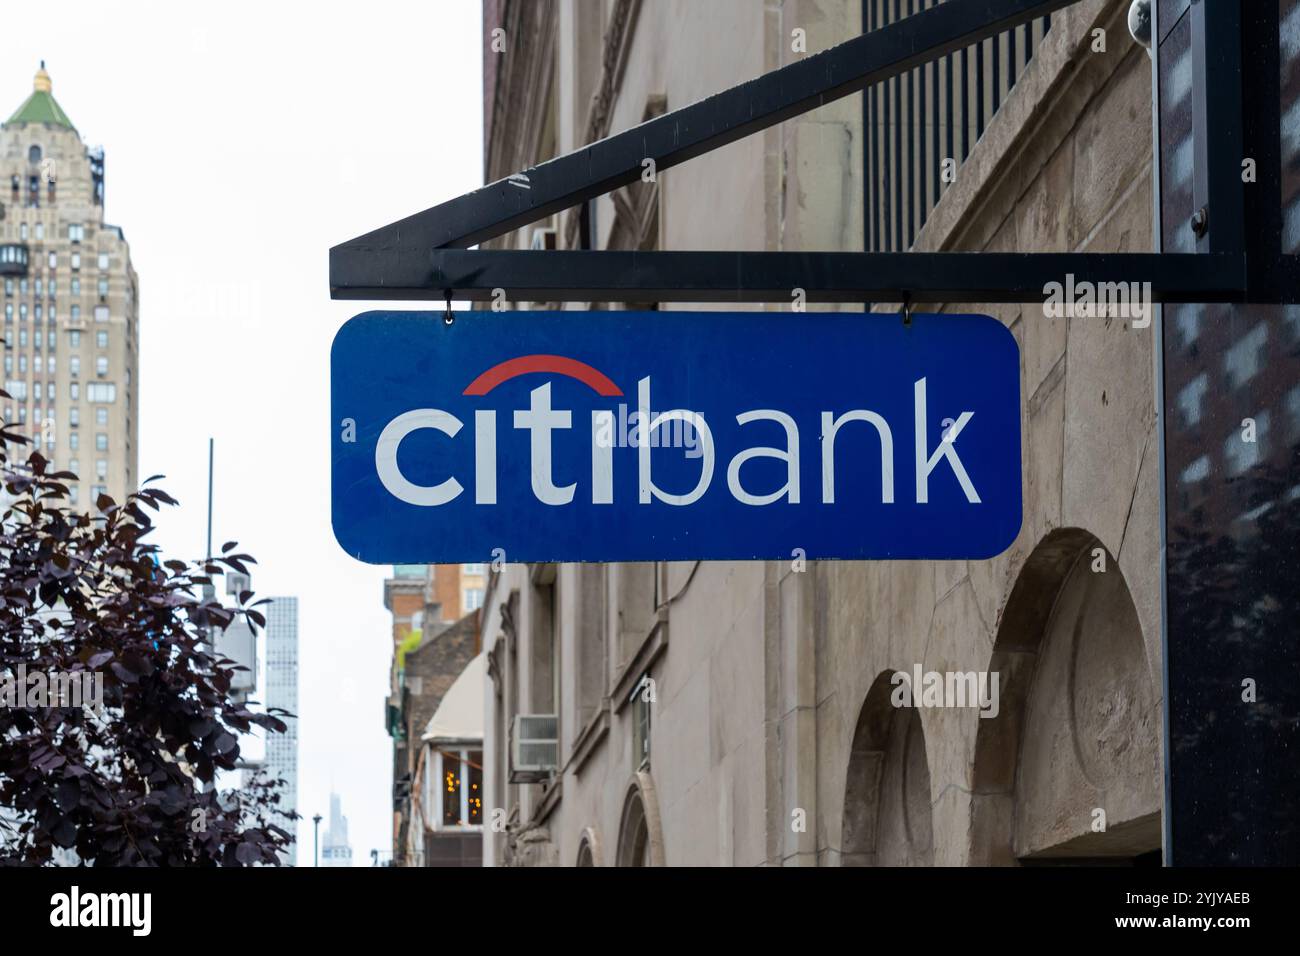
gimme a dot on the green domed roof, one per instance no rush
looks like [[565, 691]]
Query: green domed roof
[[41, 107]]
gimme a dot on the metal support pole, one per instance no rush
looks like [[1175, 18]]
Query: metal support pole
[[1216, 125], [602, 276]]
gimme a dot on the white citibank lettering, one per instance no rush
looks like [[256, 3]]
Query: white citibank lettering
[[540, 420]]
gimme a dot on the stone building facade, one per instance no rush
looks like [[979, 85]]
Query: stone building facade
[[743, 713], [71, 303]]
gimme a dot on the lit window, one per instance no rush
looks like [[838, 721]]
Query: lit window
[[451, 789], [101, 313], [458, 794], [54, 262]]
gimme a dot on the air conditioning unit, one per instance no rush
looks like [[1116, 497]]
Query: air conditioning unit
[[534, 747]]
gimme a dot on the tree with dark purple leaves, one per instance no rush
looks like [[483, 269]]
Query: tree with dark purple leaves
[[128, 778]]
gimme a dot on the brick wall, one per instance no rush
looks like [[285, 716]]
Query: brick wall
[[433, 667]]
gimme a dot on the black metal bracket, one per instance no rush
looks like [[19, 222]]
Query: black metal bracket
[[425, 256], [608, 275]]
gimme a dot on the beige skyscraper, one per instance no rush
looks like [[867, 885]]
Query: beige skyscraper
[[71, 332]]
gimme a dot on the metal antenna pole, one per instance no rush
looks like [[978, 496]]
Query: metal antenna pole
[[209, 592], [208, 552]]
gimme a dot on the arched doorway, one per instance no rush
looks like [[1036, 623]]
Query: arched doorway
[[1069, 770], [887, 810], [640, 839], [589, 849]]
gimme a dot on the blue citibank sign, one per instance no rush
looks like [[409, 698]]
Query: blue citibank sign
[[668, 436]]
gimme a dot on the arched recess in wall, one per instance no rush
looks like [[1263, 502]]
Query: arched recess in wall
[[589, 850], [887, 811], [1069, 769], [640, 835]]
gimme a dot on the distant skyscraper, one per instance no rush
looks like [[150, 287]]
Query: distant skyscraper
[[70, 302], [336, 851], [282, 691]]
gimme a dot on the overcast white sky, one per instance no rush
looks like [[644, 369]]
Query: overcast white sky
[[242, 140]]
